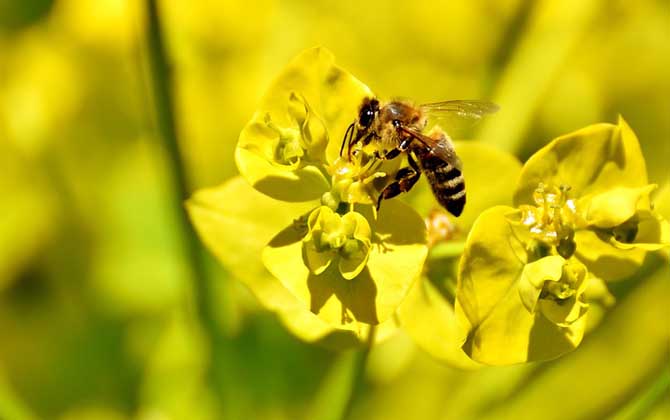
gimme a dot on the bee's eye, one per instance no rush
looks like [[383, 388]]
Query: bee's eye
[[365, 119]]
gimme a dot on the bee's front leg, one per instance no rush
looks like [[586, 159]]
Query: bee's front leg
[[393, 153]]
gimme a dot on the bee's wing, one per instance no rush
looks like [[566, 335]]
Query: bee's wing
[[440, 146], [467, 109], [459, 114]]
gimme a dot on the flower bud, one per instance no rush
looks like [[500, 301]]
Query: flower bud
[[332, 236]]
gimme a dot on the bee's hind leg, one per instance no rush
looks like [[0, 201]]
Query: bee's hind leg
[[405, 180]]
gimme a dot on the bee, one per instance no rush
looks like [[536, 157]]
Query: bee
[[398, 127]]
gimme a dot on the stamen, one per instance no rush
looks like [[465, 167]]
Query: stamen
[[552, 219]]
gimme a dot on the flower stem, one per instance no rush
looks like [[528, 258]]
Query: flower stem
[[161, 80], [342, 384], [642, 406], [360, 362]]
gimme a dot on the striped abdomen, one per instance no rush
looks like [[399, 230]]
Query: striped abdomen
[[447, 183]]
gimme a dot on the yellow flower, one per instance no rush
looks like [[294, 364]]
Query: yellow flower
[[583, 216], [337, 264]]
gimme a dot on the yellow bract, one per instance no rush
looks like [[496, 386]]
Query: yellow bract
[[616, 206], [396, 254], [591, 160], [428, 314], [283, 149], [339, 265], [584, 215], [232, 220], [492, 280], [554, 287]]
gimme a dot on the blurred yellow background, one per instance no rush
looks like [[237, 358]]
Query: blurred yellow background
[[99, 314]]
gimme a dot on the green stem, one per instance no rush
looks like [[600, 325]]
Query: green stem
[[640, 407], [161, 86], [360, 362], [342, 384], [449, 249]]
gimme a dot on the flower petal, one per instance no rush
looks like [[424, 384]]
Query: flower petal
[[331, 98], [395, 261], [351, 267], [501, 329], [236, 230], [232, 221], [615, 206], [534, 275], [317, 261], [303, 184], [591, 160], [429, 318], [653, 233], [563, 313], [605, 260]]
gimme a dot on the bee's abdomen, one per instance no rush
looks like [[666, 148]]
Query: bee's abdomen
[[448, 186]]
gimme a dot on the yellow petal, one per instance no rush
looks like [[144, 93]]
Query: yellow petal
[[431, 321], [395, 260], [615, 206], [501, 329], [591, 160], [331, 97], [534, 275]]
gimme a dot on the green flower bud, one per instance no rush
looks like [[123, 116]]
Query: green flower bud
[[554, 287], [286, 148], [332, 236]]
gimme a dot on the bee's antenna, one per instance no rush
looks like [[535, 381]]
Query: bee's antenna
[[349, 133]]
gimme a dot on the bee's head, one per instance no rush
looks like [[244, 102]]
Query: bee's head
[[368, 112]]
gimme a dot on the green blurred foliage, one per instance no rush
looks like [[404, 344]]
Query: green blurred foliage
[[97, 308]]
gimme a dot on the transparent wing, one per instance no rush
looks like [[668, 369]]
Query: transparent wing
[[458, 116], [468, 109]]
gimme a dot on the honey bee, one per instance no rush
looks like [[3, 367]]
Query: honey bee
[[398, 127]]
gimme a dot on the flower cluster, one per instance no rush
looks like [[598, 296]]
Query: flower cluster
[[583, 217], [509, 281], [339, 264]]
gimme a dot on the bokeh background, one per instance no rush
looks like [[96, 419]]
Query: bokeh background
[[100, 310]]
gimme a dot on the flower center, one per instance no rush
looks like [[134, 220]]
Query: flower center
[[330, 235], [287, 148], [358, 180], [552, 220]]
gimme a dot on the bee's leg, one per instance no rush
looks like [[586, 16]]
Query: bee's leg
[[349, 133], [393, 153], [402, 147], [349, 139], [412, 163], [361, 136], [405, 180]]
